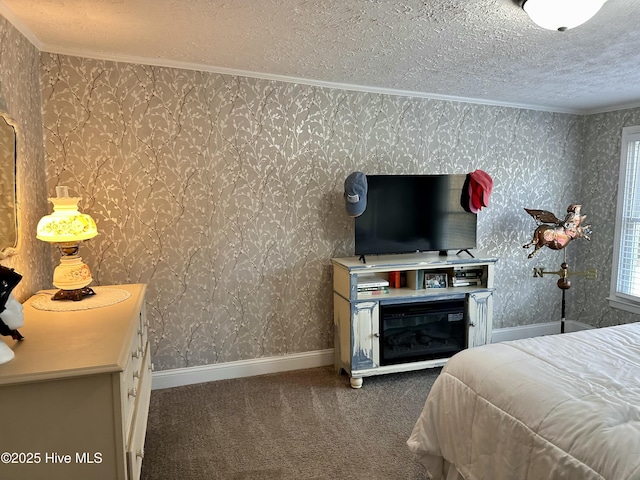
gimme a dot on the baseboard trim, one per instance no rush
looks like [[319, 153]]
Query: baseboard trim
[[319, 358], [536, 330], [244, 368]]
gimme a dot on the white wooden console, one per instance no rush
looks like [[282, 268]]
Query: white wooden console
[[357, 314]]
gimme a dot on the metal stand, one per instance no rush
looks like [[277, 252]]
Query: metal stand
[[564, 283]]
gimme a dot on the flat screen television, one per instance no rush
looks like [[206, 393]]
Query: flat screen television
[[414, 213]]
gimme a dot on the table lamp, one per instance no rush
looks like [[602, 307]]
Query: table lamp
[[67, 227]]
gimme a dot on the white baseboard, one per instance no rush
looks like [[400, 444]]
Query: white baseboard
[[535, 330], [243, 368], [319, 358]]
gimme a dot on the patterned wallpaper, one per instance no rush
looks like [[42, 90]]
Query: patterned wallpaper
[[601, 164], [20, 98], [224, 194]]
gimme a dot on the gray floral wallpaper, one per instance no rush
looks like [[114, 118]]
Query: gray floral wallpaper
[[224, 194], [20, 98], [599, 188]]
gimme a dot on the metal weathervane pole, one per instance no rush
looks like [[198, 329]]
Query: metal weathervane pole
[[557, 234], [564, 283]]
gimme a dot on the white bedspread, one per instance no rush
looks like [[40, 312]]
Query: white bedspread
[[556, 407]]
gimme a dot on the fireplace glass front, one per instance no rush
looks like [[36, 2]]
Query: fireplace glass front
[[414, 332]]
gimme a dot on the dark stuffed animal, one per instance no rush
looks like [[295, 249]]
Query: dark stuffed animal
[[9, 278]]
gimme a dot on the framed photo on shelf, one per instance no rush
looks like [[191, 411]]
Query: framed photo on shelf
[[435, 280]]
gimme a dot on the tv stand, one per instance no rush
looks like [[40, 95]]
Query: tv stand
[[362, 259], [465, 250], [358, 326]]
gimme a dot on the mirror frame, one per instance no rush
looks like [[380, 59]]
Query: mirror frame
[[9, 250]]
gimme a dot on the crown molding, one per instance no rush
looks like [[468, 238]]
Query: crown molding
[[7, 13], [612, 108], [160, 62]]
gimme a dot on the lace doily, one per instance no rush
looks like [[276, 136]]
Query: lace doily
[[104, 297]]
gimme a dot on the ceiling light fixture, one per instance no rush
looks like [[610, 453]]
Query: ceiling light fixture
[[561, 15]]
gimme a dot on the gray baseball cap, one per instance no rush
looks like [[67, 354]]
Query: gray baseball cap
[[355, 193]]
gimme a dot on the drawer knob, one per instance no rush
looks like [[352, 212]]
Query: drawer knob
[[136, 354], [136, 374], [151, 367], [133, 392], [140, 453]]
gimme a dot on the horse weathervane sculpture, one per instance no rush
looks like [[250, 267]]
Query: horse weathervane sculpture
[[557, 234]]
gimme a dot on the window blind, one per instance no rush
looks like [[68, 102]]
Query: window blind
[[629, 256], [625, 278]]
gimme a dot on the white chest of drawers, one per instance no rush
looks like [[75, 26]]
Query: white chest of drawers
[[75, 398]]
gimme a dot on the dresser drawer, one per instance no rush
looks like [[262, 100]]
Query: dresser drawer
[[135, 448], [130, 379], [143, 330]]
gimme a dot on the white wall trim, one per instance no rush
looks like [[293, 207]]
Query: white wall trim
[[535, 330], [161, 62], [611, 108], [6, 12], [200, 67], [319, 358], [243, 368], [623, 304], [13, 19]]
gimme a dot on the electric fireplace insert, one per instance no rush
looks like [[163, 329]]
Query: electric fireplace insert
[[412, 332]]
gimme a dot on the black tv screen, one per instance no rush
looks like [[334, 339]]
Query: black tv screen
[[414, 213]]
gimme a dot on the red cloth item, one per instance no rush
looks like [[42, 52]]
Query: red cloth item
[[485, 185], [476, 190]]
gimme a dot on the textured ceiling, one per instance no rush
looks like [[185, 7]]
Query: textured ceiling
[[486, 51]]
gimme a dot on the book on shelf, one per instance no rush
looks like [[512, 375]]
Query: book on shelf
[[466, 282], [371, 281], [374, 291], [397, 279], [367, 289], [467, 274]]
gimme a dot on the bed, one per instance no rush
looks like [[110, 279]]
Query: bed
[[555, 407]]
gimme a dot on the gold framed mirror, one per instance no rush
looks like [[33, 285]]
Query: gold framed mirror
[[8, 204]]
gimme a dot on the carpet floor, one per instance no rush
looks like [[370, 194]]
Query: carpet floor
[[301, 425]]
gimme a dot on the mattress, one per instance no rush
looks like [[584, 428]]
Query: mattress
[[556, 407]]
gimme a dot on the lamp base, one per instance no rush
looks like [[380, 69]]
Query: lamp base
[[75, 295]]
